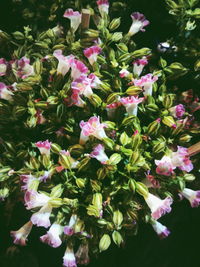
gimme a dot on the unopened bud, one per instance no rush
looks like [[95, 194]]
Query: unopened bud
[[169, 121], [132, 185], [142, 189], [168, 100], [153, 127], [104, 243], [80, 182], [117, 218], [114, 24]]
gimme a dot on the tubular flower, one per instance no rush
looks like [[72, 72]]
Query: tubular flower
[[82, 256], [5, 93], [95, 81], [124, 73], [103, 6], [131, 104], [146, 82], [64, 62], [138, 24], [30, 182], [22, 68], [20, 236], [180, 159], [111, 108], [99, 153], [192, 196], [91, 53], [44, 147], [165, 166], [138, 65], [75, 18], [82, 86], [69, 259], [3, 67], [42, 217], [52, 237], [33, 199], [78, 68], [69, 229], [177, 111], [92, 127], [160, 229], [158, 206]]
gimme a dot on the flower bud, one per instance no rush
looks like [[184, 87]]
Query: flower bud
[[56, 202], [132, 185], [104, 243], [109, 143], [83, 164], [133, 90], [80, 182], [57, 191], [142, 189], [125, 57], [153, 127], [189, 177], [114, 24], [185, 138], [122, 47], [117, 218], [168, 100], [95, 100], [117, 238], [65, 161], [169, 121], [141, 52], [117, 36], [4, 193], [97, 200], [134, 157], [159, 147], [124, 139], [18, 35], [136, 140], [115, 159], [55, 148]]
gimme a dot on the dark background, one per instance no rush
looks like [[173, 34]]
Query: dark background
[[181, 248]]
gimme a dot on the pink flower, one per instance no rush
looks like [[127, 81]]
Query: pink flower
[[111, 109], [20, 236], [3, 67], [69, 229], [138, 24], [124, 73], [33, 199], [165, 166], [158, 206], [82, 256], [69, 259], [30, 182], [44, 147], [82, 86], [91, 53], [160, 229], [75, 18], [99, 153], [64, 62], [177, 111], [131, 104], [45, 176], [95, 81], [138, 65], [52, 237], [78, 68], [180, 159], [92, 127], [22, 68], [42, 217], [192, 196], [103, 6], [5, 93], [146, 82], [76, 100]]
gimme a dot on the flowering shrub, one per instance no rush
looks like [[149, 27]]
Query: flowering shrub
[[93, 136]]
